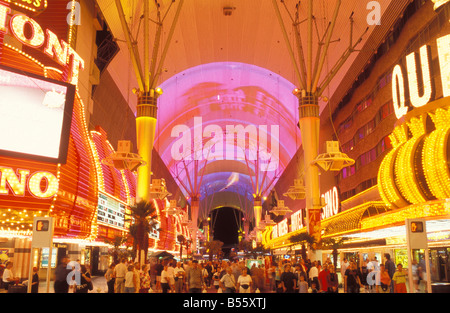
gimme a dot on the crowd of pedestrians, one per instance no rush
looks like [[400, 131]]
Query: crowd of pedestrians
[[284, 276], [170, 276]]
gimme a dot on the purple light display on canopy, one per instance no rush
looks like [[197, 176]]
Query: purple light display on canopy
[[202, 107]]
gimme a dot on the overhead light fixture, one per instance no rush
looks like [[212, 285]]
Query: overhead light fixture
[[297, 191], [280, 209], [173, 209], [268, 221], [124, 159], [158, 189], [333, 159]]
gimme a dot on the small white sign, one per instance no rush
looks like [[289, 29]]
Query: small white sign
[[416, 233], [42, 232]]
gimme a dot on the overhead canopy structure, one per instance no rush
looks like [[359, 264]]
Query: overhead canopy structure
[[228, 65], [162, 255]]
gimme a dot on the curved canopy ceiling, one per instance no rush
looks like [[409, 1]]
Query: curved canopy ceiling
[[227, 124], [223, 70]]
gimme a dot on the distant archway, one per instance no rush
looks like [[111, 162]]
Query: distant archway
[[225, 224]]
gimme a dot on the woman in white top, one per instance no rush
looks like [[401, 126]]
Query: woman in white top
[[165, 279], [130, 282], [244, 282]]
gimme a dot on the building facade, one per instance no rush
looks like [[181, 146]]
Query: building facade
[[394, 124], [49, 73]]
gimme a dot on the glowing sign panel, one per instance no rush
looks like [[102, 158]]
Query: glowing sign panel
[[60, 51], [18, 183], [297, 220], [418, 75], [35, 115], [110, 211], [417, 227], [280, 229], [332, 203], [34, 6]]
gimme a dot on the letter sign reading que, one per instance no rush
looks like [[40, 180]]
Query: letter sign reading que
[[419, 77], [56, 49]]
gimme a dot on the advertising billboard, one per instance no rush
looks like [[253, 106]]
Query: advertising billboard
[[36, 114], [110, 211]]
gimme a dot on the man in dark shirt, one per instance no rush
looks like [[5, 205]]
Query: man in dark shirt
[[194, 279], [390, 268], [288, 280], [352, 278], [61, 273]]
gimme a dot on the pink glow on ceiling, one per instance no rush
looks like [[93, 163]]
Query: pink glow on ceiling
[[228, 93]]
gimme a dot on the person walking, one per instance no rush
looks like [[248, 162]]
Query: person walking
[[415, 275], [384, 281], [333, 280], [120, 270], [373, 269], [390, 268], [324, 278], [110, 278], [227, 282], [278, 273], [399, 279], [364, 274], [302, 284], [314, 274], [288, 280], [244, 282], [130, 280], [352, 279], [159, 268], [216, 278], [85, 281], [194, 279], [144, 279], [165, 279], [179, 277], [205, 274], [61, 274], [344, 265], [35, 281], [271, 275]]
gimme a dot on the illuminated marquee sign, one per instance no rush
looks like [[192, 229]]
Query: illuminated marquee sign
[[35, 116], [34, 6], [280, 229], [418, 77], [297, 220], [110, 211], [154, 232], [56, 49], [332, 203], [35, 182]]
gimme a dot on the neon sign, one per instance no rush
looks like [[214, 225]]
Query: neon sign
[[56, 49], [297, 220], [332, 203], [35, 6], [280, 229], [19, 182], [419, 77]]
